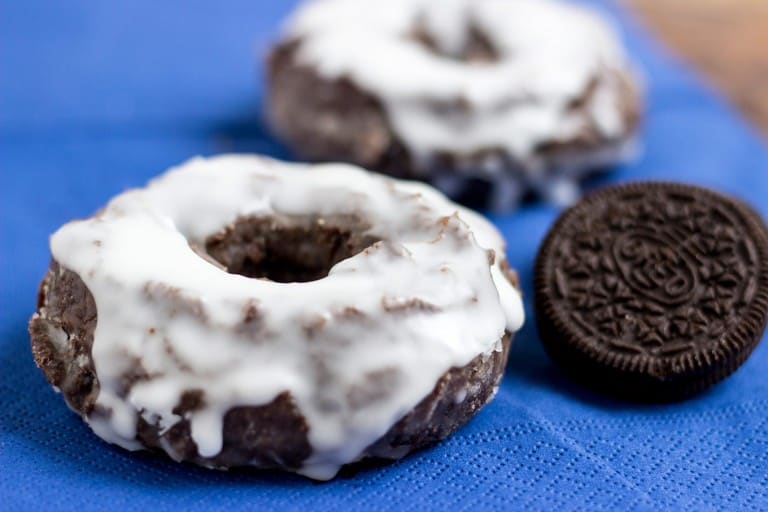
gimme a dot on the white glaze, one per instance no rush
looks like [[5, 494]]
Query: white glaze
[[549, 51], [138, 248]]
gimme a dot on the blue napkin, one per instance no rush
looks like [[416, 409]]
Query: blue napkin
[[99, 96]]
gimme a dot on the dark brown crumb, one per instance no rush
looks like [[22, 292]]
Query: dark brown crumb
[[288, 249]]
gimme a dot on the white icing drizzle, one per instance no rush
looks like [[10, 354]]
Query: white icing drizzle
[[165, 307], [548, 53]]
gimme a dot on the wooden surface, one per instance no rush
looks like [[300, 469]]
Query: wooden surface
[[726, 39]]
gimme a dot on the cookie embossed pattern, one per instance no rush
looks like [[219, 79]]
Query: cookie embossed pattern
[[653, 290]]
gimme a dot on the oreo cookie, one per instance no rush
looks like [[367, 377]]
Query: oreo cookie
[[653, 291]]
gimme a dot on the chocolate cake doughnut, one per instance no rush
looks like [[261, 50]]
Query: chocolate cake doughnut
[[240, 311], [528, 95]]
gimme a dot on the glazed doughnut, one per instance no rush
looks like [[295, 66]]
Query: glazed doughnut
[[529, 95], [240, 311]]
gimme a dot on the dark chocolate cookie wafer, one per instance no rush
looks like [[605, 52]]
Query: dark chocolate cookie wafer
[[653, 291]]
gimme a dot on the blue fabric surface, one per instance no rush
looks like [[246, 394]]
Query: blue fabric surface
[[99, 96]]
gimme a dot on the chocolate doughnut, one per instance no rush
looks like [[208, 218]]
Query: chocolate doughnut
[[239, 311], [528, 95]]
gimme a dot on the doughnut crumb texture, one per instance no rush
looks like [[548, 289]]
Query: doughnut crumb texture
[[653, 291], [240, 311], [529, 96]]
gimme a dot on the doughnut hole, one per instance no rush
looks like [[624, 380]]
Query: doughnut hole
[[477, 47], [288, 249]]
